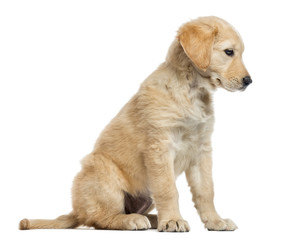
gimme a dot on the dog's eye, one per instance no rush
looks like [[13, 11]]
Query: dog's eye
[[229, 52]]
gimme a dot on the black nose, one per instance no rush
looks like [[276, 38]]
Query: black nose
[[246, 81]]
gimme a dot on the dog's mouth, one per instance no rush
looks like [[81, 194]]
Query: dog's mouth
[[229, 87], [219, 83]]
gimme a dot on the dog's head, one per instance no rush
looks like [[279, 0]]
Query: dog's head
[[215, 48]]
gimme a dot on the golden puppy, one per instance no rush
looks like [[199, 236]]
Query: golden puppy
[[164, 130]]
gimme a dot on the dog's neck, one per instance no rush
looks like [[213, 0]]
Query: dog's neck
[[178, 60]]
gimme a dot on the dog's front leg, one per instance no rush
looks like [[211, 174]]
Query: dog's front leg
[[160, 170], [199, 177]]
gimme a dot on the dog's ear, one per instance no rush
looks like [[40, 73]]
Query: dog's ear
[[197, 41]]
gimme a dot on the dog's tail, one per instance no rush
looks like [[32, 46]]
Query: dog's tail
[[62, 222]]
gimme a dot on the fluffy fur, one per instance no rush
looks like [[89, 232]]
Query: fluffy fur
[[164, 130]]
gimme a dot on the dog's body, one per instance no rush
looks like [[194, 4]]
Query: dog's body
[[164, 130]]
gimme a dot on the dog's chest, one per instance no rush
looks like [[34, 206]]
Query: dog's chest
[[186, 146], [192, 133]]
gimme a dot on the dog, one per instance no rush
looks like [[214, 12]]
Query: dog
[[164, 130]]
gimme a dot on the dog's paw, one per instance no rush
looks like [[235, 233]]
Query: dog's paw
[[179, 225], [219, 224], [136, 222]]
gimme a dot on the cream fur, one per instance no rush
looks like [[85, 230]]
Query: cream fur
[[164, 130]]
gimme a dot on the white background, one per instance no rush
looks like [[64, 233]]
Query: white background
[[67, 67]]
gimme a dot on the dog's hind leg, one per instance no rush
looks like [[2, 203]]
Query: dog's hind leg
[[99, 197]]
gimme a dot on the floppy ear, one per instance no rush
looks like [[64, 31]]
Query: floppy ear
[[197, 42]]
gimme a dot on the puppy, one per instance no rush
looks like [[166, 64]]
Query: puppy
[[164, 130]]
